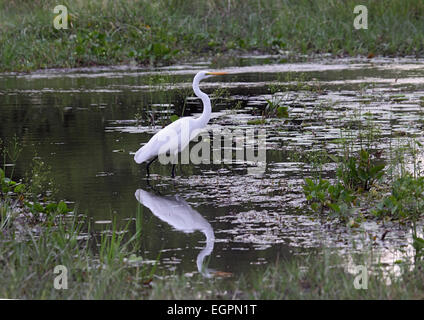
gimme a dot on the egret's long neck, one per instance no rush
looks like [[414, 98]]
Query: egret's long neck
[[207, 110]]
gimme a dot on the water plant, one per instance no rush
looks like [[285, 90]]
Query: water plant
[[353, 175], [33, 195], [359, 173], [276, 108], [10, 151], [221, 93], [406, 199], [8, 185], [256, 122], [418, 244], [40, 183], [322, 195]]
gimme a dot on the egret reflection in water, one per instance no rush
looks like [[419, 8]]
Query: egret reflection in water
[[180, 215]]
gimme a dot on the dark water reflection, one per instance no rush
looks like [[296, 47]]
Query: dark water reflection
[[83, 125], [180, 215]]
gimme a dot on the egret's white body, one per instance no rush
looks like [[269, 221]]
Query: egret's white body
[[176, 136], [173, 139], [180, 215]]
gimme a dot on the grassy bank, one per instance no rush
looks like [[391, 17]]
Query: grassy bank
[[107, 267], [319, 276], [98, 265], [164, 31]]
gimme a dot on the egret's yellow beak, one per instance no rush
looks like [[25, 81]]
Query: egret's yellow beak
[[216, 73]]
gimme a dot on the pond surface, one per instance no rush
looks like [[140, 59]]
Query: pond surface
[[86, 125]]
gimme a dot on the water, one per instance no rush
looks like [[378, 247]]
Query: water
[[86, 124]]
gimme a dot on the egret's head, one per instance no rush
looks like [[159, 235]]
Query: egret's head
[[206, 74]]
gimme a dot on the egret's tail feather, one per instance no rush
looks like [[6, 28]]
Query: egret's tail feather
[[141, 156]]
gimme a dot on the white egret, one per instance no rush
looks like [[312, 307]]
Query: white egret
[[180, 215], [176, 136]]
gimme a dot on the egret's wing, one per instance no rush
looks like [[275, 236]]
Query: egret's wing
[[173, 139], [163, 141]]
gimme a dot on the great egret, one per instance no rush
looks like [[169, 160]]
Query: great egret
[[180, 215], [176, 136]]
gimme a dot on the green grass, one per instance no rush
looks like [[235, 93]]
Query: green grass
[[100, 266], [107, 267], [164, 31], [317, 276]]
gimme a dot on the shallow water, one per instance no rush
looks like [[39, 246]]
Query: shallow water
[[87, 123]]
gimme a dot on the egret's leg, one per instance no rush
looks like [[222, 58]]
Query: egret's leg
[[148, 165], [173, 171]]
